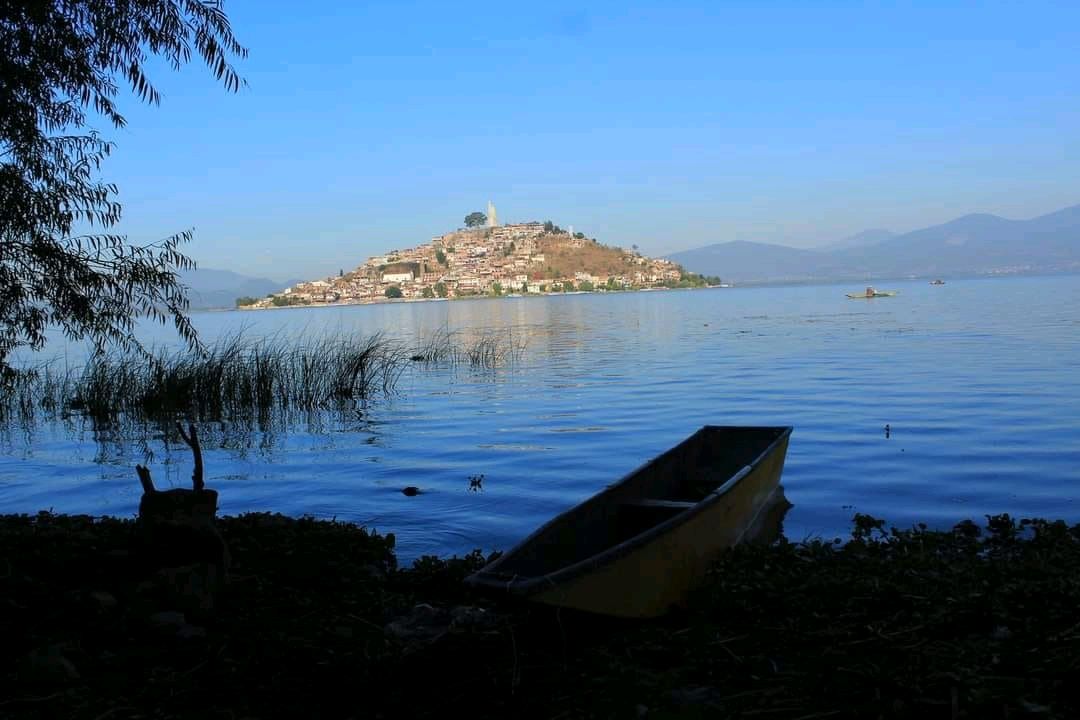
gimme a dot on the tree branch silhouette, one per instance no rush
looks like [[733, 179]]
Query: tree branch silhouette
[[61, 60]]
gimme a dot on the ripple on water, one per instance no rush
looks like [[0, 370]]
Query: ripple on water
[[977, 383]]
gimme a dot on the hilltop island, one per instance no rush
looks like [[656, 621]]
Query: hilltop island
[[489, 260]]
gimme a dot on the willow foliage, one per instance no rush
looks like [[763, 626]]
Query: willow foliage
[[61, 60]]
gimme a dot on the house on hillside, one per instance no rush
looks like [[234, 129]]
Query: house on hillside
[[398, 277]]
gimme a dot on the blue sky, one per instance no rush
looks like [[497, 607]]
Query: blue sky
[[671, 125]]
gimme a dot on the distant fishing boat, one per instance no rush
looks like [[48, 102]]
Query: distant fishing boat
[[937, 282], [872, 293], [636, 548]]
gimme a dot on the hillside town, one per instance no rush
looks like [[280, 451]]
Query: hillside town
[[486, 258]]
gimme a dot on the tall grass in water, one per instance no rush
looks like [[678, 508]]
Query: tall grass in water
[[241, 378], [484, 349], [488, 351], [45, 389]]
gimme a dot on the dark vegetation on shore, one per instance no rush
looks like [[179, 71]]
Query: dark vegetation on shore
[[318, 621], [244, 378]]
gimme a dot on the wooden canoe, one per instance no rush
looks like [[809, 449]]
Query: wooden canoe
[[636, 548]]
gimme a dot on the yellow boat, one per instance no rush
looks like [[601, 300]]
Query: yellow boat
[[638, 547]]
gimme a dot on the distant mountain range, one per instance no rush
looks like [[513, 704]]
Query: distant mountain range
[[866, 237], [970, 245], [218, 289]]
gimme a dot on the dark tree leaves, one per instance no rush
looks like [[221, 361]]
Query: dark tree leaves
[[61, 60]]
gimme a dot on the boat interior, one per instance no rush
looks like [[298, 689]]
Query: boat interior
[[661, 489]]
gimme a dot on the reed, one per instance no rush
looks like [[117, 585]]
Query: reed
[[239, 377], [44, 388], [477, 349]]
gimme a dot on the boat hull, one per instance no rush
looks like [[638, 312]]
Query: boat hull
[[859, 296], [648, 574]]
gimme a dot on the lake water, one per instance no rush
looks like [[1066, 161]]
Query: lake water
[[979, 381]]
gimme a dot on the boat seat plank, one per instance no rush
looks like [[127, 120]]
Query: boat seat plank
[[656, 503]]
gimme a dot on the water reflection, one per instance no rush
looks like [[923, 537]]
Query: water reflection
[[603, 382]]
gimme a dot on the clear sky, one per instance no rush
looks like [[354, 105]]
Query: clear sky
[[369, 126]]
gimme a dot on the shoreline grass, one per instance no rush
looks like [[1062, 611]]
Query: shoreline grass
[[240, 377], [973, 622]]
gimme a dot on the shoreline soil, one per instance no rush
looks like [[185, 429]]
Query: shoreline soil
[[317, 620]]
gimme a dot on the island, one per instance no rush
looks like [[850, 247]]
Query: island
[[488, 259]]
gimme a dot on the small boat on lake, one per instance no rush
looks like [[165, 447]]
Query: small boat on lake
[[937, 282], [872, 293], [639, 546]]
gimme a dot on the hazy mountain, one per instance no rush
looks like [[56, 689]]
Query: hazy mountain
[[973, 244], [866, 237], [214, 289], [742, 260]]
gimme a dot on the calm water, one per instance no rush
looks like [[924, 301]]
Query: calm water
[[978, 380]]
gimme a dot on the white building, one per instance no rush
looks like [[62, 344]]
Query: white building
[[519, 231]]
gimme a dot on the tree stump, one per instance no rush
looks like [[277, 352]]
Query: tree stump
[[179, 543]]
